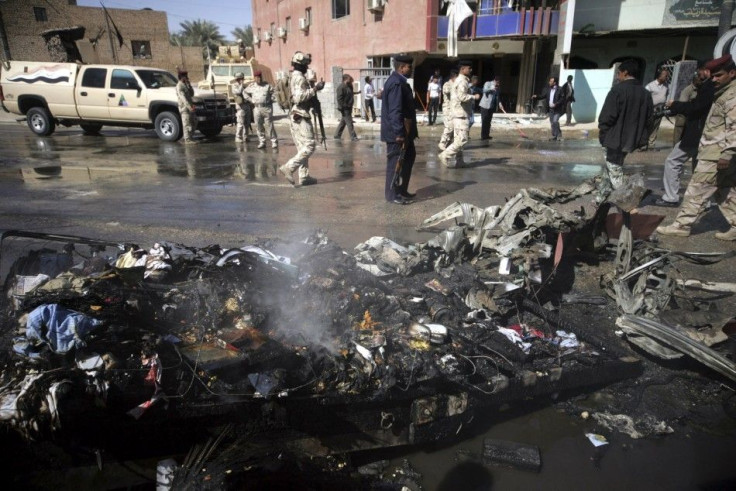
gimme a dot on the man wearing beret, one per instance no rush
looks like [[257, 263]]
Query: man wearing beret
[[715, 173], [260, 94], [399, 129], [622, 125], [461, 109]]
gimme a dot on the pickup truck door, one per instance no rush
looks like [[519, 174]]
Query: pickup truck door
[[91, 94], [127, 97]]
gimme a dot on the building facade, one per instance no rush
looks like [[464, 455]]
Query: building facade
[[49, 30]]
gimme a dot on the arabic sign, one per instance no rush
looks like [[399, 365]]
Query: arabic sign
[[692, 12]]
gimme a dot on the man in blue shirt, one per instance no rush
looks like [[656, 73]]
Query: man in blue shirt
[[399, 129]]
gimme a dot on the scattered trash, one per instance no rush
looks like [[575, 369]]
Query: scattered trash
[[596, 440]]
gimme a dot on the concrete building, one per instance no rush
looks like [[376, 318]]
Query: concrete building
[[51, 29], [508, 40]]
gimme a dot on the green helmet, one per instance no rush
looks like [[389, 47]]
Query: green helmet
[[239, 75]]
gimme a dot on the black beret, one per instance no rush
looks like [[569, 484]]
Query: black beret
[[404, 59], [464, 63]]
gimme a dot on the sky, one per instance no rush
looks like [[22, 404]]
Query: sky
[[226, 14]]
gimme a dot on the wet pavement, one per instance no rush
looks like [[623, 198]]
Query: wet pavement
[[127, 185]]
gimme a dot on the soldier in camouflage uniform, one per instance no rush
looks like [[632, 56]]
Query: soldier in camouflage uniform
[[242, 106], [715, 173], [446, 137], [300, 120], [184, 96], [461, 107], [260, 94]]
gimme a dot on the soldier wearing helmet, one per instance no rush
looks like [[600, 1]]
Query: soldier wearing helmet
[[300, 120], [185, 95], [242, 105]]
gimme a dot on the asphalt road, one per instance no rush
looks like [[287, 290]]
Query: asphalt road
[[126, 185]]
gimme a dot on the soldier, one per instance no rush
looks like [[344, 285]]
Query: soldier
[[242, 105], [300, 120], [461, 107], [446, 137], [185, 95], [715, 173], [260, 94]]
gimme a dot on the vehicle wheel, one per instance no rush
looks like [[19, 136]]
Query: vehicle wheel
[[40, 121], [91, 128], [168, 126], [211, 132]]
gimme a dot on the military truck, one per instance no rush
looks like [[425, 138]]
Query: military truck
[[230, 60], [91, 96]]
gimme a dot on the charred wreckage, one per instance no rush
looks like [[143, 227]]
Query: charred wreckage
[[308, 349]]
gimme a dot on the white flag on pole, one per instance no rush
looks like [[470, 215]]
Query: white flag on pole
[[457, 12]]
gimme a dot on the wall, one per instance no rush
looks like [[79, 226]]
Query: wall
[[26, 43], [591, 88]]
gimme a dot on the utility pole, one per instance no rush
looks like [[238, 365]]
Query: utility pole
[[724, 21]]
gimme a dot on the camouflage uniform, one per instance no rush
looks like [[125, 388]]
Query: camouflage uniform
[[261, 95], [718, 142], [461, 106], [241, 114], [184, 96], [446, 137], [300, 124]]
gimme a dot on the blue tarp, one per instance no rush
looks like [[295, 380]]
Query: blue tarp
[[60, 328]]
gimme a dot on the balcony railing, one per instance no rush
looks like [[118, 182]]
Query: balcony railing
[[529, 22]]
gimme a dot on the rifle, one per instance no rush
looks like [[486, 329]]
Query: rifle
[[317, 115], [396, 180]]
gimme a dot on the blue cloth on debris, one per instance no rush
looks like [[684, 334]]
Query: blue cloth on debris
[[61, 328]]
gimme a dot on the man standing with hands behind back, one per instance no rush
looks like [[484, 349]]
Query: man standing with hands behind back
[[399, 129]]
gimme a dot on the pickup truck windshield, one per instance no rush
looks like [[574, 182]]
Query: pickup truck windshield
[[155, 79]]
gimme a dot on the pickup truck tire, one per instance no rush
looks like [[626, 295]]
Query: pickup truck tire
[[91, 128], [211, 132], [168, 126], [40, 121]]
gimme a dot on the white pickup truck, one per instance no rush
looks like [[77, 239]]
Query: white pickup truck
[[91, 96]]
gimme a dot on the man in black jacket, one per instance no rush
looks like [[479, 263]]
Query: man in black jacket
[[554, 100], [622, 125], [695, 112], [345, 106], [399, 129]]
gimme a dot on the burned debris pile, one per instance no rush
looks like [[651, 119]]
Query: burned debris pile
[[304, 342]]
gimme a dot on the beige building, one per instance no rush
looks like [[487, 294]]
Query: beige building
[[60, 30]]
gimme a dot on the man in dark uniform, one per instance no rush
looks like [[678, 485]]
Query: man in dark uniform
[[399, 129]]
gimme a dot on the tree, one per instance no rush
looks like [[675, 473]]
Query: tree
[[246, 34], [199, 33]]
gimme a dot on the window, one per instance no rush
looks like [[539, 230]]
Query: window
[[308, 15], [154, 79], [141, 49], [40, 14], [123, 79], [340, 8], [94, 78], [288, 24]]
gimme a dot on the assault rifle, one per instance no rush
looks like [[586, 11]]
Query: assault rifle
[[396, 180], [317, 116]]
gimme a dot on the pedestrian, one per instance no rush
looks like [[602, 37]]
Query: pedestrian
[[260, 94], [300, 120], [695, 112], [686, 95], [461, 107], [369, 92], [438, 75], [489, 104], [569, 91], [658, 89], [399, 129], [622, 125], [185, 99], [242, 106], [554, 102], [345, 101], [475, 89], [448, 130], [715, 173], [434, 93]]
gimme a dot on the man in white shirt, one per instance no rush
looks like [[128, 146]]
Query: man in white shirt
[[368, 94], [658, 88], [434, 94]]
